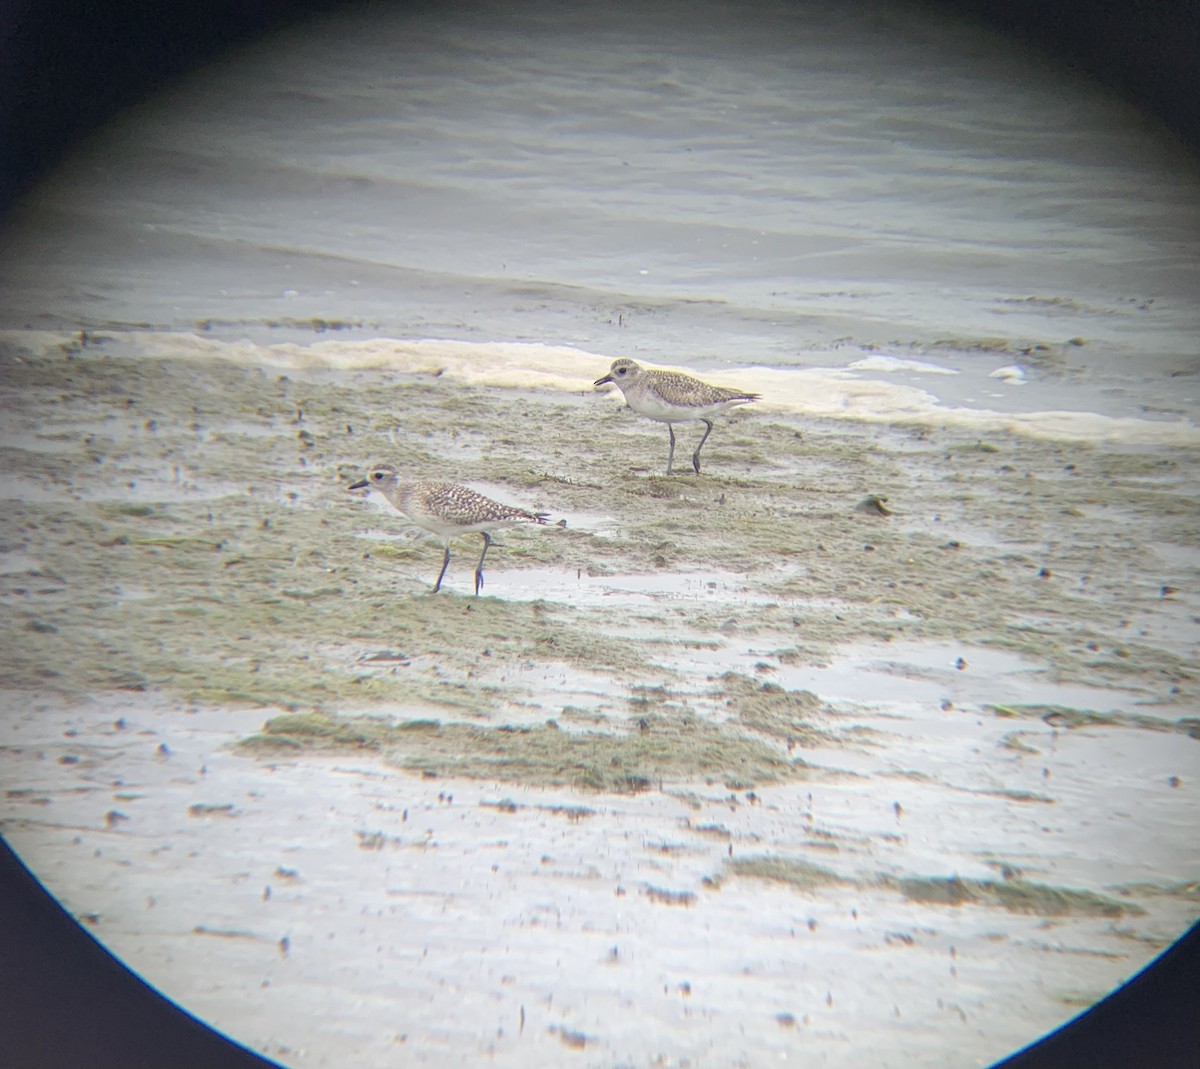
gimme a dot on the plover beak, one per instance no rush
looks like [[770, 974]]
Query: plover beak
[[360, 485], [601, 382]]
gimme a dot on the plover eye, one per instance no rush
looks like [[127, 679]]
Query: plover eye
[[377, 475], [621, 370]]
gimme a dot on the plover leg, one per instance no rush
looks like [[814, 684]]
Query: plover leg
[[445, 564], [696, 454], [487, 541]]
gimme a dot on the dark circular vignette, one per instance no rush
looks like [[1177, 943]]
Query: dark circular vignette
[[68, 67], [1149, 1021], [65, 1001], [1145, 50]]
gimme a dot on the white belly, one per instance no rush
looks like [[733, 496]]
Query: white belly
[[654, 407]]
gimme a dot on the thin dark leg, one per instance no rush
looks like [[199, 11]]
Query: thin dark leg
[[445, 563], [671, 454], [487, 541], [696, 454]]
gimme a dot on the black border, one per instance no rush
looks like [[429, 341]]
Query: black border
[[66, 66], [65, 1001]]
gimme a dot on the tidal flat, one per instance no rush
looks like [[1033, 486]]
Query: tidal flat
[[902, 709]]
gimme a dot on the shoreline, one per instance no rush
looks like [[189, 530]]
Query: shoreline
[[819, 392]]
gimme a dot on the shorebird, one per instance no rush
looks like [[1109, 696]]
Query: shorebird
[[445, 510], [671, 397]]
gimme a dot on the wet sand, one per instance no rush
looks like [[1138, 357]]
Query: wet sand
[[877, 740]]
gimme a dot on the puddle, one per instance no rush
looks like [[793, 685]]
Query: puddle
[[137, 487], [32, 442], [32, 491], [581, 589], [15, 562], [929, 674]]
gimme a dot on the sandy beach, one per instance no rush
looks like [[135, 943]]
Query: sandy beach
[[876, 740]]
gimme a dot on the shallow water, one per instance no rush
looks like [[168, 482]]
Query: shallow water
[[779, 185], [934, 674], [725, 769]]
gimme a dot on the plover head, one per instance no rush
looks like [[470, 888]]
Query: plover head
[[622, 372], [381, 477]]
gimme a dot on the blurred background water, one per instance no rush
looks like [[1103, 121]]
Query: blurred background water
[[779, 184]]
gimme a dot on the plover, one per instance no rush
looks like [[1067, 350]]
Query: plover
[[670, 397], [445, 510]]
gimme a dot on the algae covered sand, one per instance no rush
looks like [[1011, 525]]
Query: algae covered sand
[[911, 691], [196, 516]]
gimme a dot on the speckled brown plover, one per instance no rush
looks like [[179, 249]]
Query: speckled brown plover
[[671, 397], [445, 510]]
